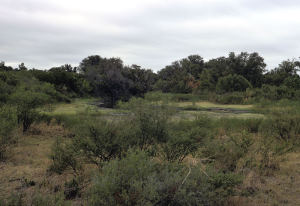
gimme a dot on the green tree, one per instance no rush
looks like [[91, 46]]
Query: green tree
[[232, 83], [286, 69], [26, 102], [177, 76], [113, 81], [5, 68]]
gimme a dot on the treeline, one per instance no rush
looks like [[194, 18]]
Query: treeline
[[233, 79], [238, 78], [107, 78]]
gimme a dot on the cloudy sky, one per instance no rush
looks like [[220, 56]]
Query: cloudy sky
[[150, 33]]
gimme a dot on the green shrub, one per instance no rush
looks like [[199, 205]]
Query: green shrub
[[138, 180], [63, 157], [8, 122], [268, 162], [102, 142], [26, 102], [276, 93], [228, 151], [282, 126], [8, 83], [230, 98], [198, 129], [178, 147], [149, 122], [237, 124]]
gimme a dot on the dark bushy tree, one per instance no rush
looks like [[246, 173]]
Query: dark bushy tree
[[232, 83], [5, 68], [65, 79], [287, 69], [107, 78], [142, 80], [178, 76], [250, 66], [113, 81], [8, 84]]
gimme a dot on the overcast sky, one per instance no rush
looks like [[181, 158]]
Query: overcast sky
[[150, 33]]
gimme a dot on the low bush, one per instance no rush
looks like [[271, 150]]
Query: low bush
[[198, 129], [178, 147], [236, 124], [101, 142], [138, 180], [228, 150], [282, 126], [8, 122], [231, 98], [148, 122], [268, 159], [26, 103], [63, 157]]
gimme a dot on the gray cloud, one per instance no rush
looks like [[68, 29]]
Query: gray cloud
[[149, 33]]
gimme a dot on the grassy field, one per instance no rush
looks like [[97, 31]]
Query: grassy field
[[206, 104], [194, 114], [186, 110]]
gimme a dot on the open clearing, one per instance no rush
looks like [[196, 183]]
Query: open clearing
[[186, 110], [206, 104]]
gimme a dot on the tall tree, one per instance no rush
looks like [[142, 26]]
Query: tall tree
[[107, 78], [177, 77]]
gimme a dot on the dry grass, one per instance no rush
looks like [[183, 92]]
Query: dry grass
[[29, 161], [206, 104], [280, 187], [190, 115]]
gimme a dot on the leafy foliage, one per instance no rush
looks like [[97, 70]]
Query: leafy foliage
[[232, 83], [137, 180], [63, 157], [113, 81], [149, 122], [26, 103], [178, 147], [102, 142], [8, 123]]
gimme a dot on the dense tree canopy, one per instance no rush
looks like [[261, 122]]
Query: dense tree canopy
[[193, 72], [113, 81], [286, 70], [232, 83]]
